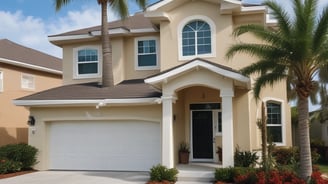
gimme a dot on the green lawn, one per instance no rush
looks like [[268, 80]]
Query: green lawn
[[323, 168]]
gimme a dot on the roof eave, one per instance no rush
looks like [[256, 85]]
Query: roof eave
[[30, 66], [97, 103], [156, 80], [96, 34]]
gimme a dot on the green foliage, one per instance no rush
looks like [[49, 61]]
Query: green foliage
[[225, 174], [9, 166], [291, 156], [245, 158], [161, 173], [284, 156], [23, 153], [184, 147]]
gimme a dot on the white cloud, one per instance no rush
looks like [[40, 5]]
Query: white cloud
[[33, 32]]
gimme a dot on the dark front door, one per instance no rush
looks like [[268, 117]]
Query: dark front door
[[202, 135]]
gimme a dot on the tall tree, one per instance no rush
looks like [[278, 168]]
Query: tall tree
[[295, 51], [121, 8]]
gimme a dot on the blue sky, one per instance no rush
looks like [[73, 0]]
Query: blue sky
[[29, 22]]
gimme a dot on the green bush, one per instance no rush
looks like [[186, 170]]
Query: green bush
[[9, 166], [161, 173], [245, 158], [287, 156], [225, 174], [23, 153]]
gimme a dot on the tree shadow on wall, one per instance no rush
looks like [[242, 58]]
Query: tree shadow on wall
[[13, 135]]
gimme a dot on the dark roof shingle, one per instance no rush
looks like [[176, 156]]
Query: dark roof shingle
[[13, 51], [137, 21], [128, 89]]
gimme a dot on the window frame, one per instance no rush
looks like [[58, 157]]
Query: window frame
[[188, 20], [30, 80], [136, 53], [76, 74], [1, 81], [282, 116]]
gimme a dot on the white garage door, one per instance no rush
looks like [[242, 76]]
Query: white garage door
[[100, 145]]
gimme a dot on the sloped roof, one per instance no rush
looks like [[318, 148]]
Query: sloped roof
[[198, 62], [137, 21], [127, 89], [15, 54]]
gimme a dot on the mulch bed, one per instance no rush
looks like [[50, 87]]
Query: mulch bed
[[8, 175]]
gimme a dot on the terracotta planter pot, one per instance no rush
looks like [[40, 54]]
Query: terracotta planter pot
[[183, 157]]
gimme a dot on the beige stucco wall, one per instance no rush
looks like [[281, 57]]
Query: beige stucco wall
[[13, 119], [44, 116], [123, 54]]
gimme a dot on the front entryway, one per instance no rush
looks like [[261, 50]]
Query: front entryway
[[204, 126]]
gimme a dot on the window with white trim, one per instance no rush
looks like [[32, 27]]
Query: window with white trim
[[274, 122], [28, 82], [146, 53], [87, 62], [1, 81], [196, 37]]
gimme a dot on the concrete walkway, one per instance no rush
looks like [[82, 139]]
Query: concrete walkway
[[78, 177], [85, 177]]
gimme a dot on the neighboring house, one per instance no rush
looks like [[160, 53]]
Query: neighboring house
[[173, 84], [23, 71], [319, 130]]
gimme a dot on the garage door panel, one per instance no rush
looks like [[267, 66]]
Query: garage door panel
[[121, 145]]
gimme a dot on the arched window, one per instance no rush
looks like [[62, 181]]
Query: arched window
[[196, 38]]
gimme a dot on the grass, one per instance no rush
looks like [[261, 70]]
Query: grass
[[323, 167]]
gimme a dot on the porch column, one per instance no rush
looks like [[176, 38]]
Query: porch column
[[167, 131], [227, 128]]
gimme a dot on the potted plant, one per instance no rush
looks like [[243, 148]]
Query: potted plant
[[184, 153], [219, 152]]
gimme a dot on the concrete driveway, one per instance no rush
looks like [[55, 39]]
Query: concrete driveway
[[78, 177]]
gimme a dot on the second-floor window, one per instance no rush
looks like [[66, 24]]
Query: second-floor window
[[87, 62], [27, 82], [146, 53], [196, 38]]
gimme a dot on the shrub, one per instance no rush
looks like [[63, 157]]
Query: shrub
[[285, 156], [245, 158], [224, 174], [8, 166], [160, 173], [23, 153]]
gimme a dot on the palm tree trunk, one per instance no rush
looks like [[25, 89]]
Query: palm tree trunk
[[264, 137], [107, 66], [304, 138]]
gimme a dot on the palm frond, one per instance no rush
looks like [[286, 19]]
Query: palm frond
[[321, 32], [142, 4], [264, 80], [120, 7], [282, 17], [60, 3]]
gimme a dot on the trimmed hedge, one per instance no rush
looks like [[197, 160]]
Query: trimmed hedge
[[21, 153]]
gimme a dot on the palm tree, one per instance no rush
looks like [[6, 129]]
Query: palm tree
[[294, 51], [121, 8]]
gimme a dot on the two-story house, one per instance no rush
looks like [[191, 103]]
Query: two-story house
[[23, 71], [173, 84]]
